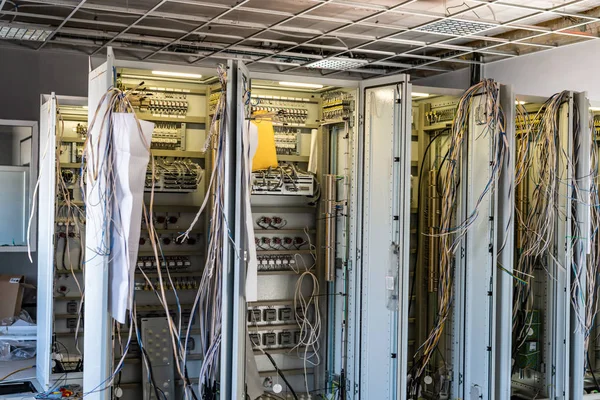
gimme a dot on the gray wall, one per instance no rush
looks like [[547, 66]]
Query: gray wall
[[24, 76], [459, 79], [545, 73]]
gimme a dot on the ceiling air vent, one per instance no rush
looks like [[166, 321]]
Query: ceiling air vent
[[458, 27], [337, 63]]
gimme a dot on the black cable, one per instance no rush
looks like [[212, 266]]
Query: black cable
[[156, 388], [187, 378], [419, 190], [592, 371], [280, 373]]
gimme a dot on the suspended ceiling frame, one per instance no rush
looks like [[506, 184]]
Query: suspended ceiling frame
[[422, 56]]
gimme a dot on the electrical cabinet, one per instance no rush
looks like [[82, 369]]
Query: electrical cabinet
[[378, 258]]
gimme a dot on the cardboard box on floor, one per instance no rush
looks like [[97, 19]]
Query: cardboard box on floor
[[11, 294]]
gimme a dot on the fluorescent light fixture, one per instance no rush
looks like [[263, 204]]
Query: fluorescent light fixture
[[520, 102], [594, 108], [338, 63], [417, 94], [16, 31], [302, 85], [177, 74]]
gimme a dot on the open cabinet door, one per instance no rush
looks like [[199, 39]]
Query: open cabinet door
[[481, 295], [46, 214], [384, 228], [98, 357], [236, 275]]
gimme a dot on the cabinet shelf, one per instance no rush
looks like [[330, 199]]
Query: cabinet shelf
[[266, 303], [281, 350], [438, 126], [282, 231], [68, 139], [272, 327], [194, 231], [283, 210], [70, 165], [292, 158], [173, 274], [295, 125], [171, 253], [174, 118], [278, 272], [156, 208], [177, 153], [281, 252], [75, 117]]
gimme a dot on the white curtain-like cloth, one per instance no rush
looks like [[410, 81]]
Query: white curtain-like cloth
[[130, 159]]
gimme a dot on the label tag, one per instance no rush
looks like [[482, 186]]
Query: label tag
[[389, 282]]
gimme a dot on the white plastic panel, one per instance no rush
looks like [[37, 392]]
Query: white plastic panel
[[377, 343], [98, 359], [385, 243], [47, 197]]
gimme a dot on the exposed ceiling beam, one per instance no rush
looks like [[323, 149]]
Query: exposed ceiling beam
[[51, 36], [452, 58], [421, 26], [200, 27], [249, 25], [266, 11], [541, 10], [370, 16], [502, 24], [150, 11], [254, 35]]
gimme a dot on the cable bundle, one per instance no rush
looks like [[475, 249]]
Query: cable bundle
[[482, 99], [208, 301], [542, 161]]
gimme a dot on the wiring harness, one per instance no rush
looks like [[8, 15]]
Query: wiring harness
[[482, 99]]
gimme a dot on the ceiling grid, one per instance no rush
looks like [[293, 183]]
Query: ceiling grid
[[309, 37]]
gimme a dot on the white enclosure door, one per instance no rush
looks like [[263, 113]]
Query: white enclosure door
[[47, 197], [98, 359], [385, 227]]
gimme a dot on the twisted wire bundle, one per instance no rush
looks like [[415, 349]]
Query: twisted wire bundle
[[542, 161], [452, 233], [208, 301]]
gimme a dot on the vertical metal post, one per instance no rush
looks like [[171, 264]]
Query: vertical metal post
[[98, 355], [404, 139], [354, 257], [582, 151], [505, 242], [239, 335], [330, 226], [228, 248]]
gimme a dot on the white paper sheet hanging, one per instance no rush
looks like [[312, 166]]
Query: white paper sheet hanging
[[312, 161], [250, 144], [130, 161]]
